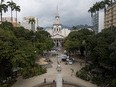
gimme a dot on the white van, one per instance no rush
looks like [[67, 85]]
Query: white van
[[63, 57]]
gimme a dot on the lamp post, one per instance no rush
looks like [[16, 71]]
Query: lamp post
[[85, 45], [34, 43], [34, 46], [85, 52]]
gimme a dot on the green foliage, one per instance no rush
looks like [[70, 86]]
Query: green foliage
[[30, 72], [74, 40], [32, 21], [101, 48], [39, 28], [74, 27], [17, 48], [113, 83]]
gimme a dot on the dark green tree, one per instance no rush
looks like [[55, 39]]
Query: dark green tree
[[11, 5], [16, 8]]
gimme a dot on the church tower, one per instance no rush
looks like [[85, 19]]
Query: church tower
[[57, 27]]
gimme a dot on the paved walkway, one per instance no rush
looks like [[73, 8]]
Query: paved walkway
[[51, 75]]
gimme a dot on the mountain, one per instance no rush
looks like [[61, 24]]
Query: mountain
[[78, 27], [83, 26], [64, 26]]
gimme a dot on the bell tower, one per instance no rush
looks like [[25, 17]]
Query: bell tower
[[57, 26], [57, 17]]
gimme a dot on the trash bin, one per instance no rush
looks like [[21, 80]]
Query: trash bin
[[73, 60]]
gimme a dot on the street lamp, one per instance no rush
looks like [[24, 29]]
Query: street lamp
[[34, 43], [84, 43]]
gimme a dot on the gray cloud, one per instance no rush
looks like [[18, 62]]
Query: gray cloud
[[72, 12]]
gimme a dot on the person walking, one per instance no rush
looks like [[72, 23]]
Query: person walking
[[72, 71]]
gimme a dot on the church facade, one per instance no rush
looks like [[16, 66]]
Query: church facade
[[57, 33]]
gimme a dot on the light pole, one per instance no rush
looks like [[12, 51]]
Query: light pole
[[34, 47], [34, 43], [84, 43], [85, 53]]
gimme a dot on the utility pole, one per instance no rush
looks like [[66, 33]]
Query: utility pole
[[34, 43]]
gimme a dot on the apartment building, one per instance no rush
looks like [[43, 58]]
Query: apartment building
[[110, 16]]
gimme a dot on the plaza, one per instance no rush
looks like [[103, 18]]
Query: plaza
[[36, 81]]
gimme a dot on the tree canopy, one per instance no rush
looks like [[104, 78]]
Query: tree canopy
[[17, 47]]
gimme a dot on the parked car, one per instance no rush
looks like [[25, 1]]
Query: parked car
[[63, 57], [67, 59], [70, 62]]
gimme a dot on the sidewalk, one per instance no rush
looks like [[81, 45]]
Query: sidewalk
[[51, 75]]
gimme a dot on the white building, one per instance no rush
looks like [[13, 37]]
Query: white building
[[57, 33], [98, 22], [27, 25]]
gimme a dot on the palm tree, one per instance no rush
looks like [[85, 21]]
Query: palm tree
[[32, 21], [3, 7], [91, 10], [97, 6], [16, 8], [11, 5]]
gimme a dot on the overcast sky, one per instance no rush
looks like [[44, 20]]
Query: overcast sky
[[72, 12]]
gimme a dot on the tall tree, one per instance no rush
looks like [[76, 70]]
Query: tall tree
[[16, 8], [91, 10], [32, 21], [11, 5], [3, 7]]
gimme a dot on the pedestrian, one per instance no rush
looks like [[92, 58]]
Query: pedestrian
[[72, 71], [53, 81], [44, 80]]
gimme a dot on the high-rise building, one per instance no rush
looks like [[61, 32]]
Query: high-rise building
[[110, 16], [27, 25], [98, 22]]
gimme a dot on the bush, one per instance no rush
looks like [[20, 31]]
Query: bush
[[113, 83], [5, 85], [30, 72]]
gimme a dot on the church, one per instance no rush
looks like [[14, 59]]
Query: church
[[57, 33]]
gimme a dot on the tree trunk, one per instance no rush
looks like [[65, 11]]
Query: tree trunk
[[16, 18], [105, 16], [1, 10], [31, 26], [11, 14], [92, 19], [34, 26], [111, 16]]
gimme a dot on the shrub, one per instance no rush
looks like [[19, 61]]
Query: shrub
[[30, 72], [113, 83], [5, 85]]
